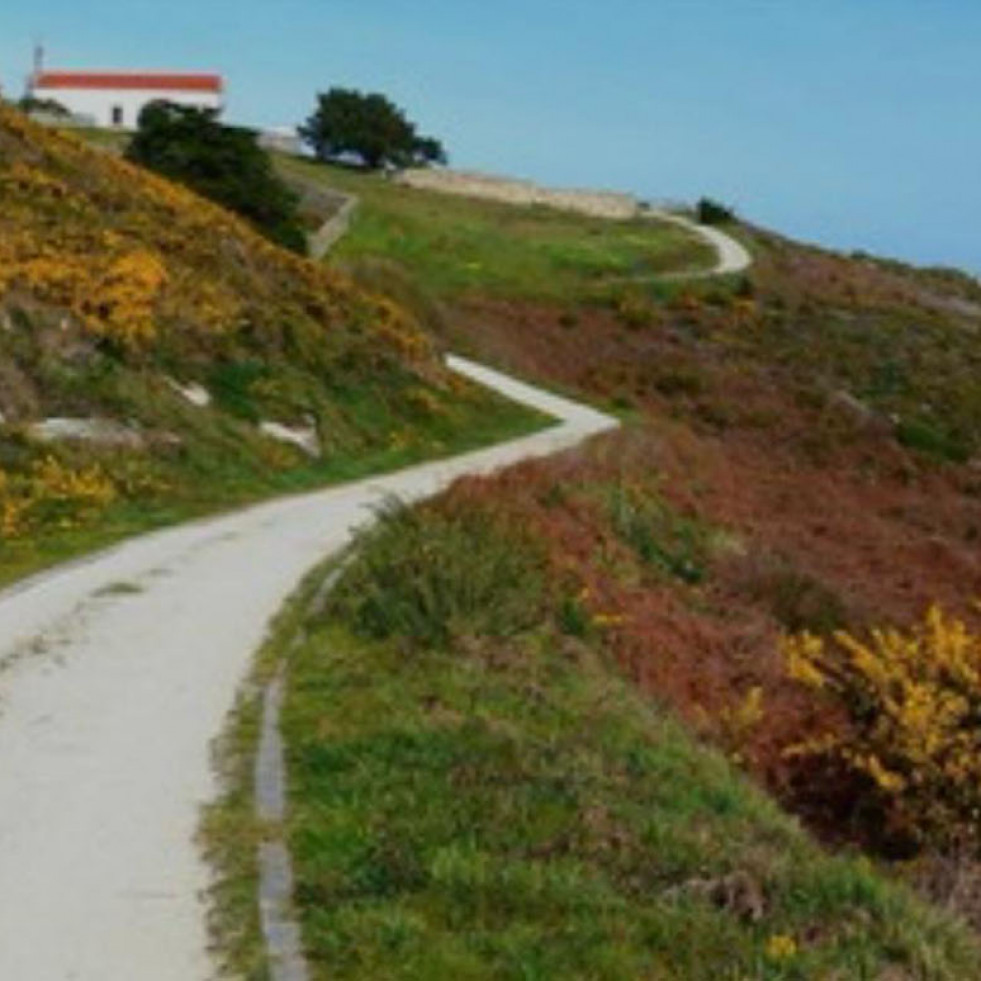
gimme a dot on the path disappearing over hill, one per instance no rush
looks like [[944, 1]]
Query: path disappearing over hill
[[117, 673], [734, 257]]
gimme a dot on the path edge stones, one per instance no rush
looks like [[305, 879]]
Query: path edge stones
[[280, 928]]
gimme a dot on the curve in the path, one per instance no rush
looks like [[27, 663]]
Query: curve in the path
[[119, 671], [734, 257]]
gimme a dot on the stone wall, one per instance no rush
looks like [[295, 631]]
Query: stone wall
[[333, 230], [596, 204]]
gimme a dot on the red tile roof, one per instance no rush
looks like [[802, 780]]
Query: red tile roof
[[142, 81]]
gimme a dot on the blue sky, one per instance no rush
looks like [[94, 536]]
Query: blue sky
[[854, 123]]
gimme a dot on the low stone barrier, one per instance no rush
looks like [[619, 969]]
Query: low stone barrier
[[594, 204]]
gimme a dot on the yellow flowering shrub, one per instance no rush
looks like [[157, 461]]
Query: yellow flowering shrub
[[124, 301], [394, 328], [112, 295], [734, 726], [781, 947], [137, 259], [30, 181], [52, 494], [913, 700]]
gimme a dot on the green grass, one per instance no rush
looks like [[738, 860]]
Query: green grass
[[107, 139], [454, 246], [206, 481], [471, 803], [664, 540], [457, 246]]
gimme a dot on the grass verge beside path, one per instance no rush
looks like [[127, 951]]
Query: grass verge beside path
[[454, 246], [475, 793], [222, 487]]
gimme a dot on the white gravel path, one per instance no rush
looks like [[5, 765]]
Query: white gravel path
[[117, 672], [734, 257]]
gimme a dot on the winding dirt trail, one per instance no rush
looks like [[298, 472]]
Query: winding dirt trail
[[116, 674]]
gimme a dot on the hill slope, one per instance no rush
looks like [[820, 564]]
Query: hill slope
[[476, 791], [802, 453], [126, 303]]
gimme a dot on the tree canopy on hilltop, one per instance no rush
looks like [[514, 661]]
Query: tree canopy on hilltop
[[369, 127], [223, 163]]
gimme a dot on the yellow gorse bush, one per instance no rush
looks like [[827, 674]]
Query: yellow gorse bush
[[52, 493], [130, 255], [734, 726], [32, 182], [913, 698], [781, 947], [110, 285], [116, 282], [127, 296]]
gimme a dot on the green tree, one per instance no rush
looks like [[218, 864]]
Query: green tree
[[223, 163], [369, 127], [711, 212], [51, 107]]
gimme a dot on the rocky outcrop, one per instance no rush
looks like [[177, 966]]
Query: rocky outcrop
[[101, 432], [196, 395], [304, 438]]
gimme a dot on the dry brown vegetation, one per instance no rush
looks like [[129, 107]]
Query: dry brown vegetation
[[806, 445]]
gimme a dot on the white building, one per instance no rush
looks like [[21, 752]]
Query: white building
[[114, 100]]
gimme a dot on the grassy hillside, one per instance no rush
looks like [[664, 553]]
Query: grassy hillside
[[526, 285], [117, 289], [804, 454], [454, 247], [798, 484], [803, 327], [477, 792]]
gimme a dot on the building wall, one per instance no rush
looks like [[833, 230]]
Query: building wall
[[97, 104]]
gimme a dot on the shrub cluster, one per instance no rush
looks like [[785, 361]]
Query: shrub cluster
[[431, 573], [713, 213], [223, 163], [912, 699], [142, 262], [52, 494]]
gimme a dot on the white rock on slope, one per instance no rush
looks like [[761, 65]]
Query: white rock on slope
[[103, 432], [305, 439]]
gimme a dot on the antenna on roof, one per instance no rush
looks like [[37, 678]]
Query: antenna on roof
[[35, 75]]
